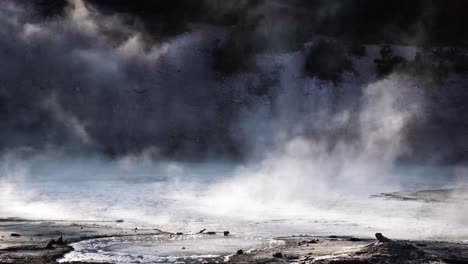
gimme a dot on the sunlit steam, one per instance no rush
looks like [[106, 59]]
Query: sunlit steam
[[110, 105]]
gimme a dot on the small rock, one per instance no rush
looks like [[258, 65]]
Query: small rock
[[354, 239], [50, 244], [179, 233], [226, 233], [240, 252], [60, 241], [201, 231], [119, 221], [15, 235], [211, 233], [381, 238], [182, 247], [278, 255]]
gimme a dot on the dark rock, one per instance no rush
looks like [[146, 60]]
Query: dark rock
[[211, 233], [307, 242], [120, 221], [226, 233], [50, 244], [179, 233], [15, 235], [60, 241], [201, 231], [240, 252], [381, 238], [278, 255], [354, 239]]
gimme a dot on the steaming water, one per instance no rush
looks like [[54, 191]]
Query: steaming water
[[182, 197], [157, 249], [304, 185]]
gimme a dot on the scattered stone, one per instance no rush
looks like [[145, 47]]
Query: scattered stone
[[240, 252], [119, 221], [307, 242], [226, 233], [15, 235], [211, 233], [179, 233], [278, 255]]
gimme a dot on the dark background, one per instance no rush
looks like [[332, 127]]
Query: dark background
[[289, 24]]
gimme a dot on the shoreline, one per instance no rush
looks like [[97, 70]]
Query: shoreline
[[26, 241]]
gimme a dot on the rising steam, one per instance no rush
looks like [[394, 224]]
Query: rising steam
[[95, 97]]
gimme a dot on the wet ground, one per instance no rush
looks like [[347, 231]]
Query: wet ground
[[26, 241]]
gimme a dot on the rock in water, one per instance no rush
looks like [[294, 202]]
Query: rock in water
[[226, 233], [240, 252]]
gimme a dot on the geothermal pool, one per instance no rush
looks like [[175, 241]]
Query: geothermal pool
[[160, 249], [184, 197]]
